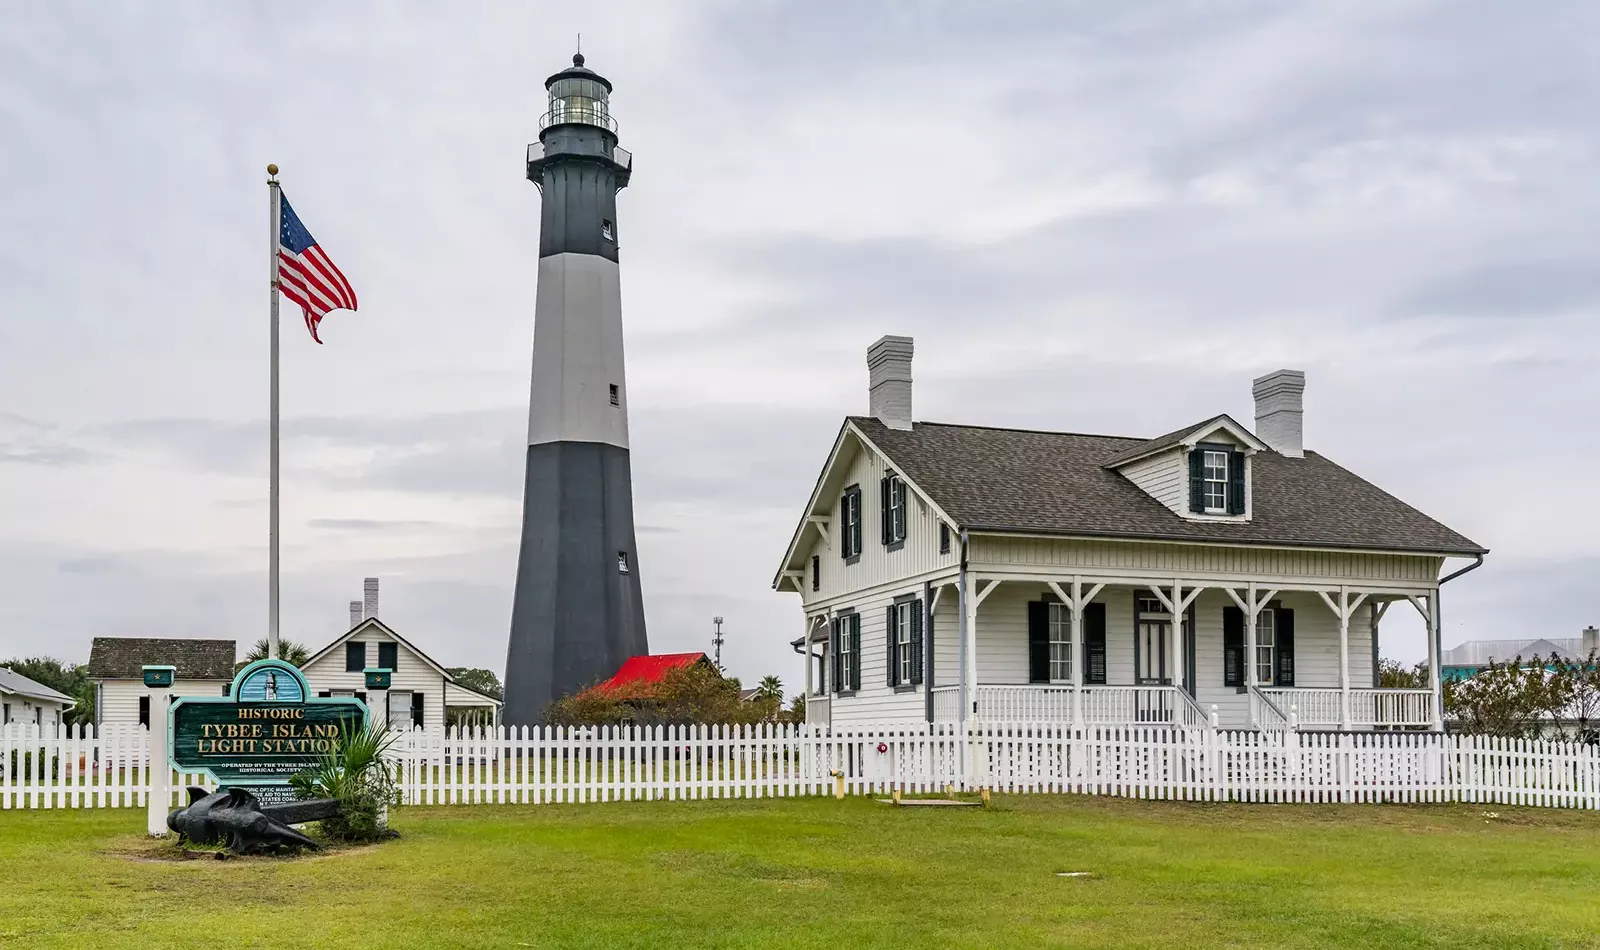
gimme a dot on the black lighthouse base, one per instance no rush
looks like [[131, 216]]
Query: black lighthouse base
[[577, 613]]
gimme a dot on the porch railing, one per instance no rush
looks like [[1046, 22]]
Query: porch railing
[[1102, 705], [1265, 714], [1322, 707]]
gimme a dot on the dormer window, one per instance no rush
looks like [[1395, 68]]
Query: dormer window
[[1216, 480]]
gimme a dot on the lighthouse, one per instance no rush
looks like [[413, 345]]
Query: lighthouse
[[577, 612]]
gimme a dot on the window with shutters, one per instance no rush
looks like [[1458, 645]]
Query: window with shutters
[[1266, 643], [355, 657], [389, 656], [1060, 644], [850, 523]]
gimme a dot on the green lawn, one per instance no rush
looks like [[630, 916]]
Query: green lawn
[[817, 873]]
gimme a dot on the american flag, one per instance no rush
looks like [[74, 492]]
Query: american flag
[[305, 273]]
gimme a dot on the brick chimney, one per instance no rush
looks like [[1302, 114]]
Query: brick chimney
[[355, 614], [1280, 411], [889, 381], [369, 598]]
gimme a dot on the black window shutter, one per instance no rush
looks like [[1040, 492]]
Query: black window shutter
[[892, 646], [885, 523], [855, 651], [355, 657], [816, 572], [144, 710], [416, 708], [1285, 646], [1197, 480], [944, 538], [844, 525], [1233, 658], [835, 662], [916, 642], [1038, 641], [1094, 644], [388, 655], [1235, 483]]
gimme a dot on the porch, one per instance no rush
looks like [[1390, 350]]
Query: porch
[[1310, 708]]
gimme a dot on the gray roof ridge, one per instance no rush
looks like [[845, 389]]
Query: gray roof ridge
[[963, 425]]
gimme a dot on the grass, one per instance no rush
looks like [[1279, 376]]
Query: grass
[[816, 873]]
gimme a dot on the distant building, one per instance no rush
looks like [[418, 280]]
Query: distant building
[[641, 671], [420, 690], [27, 701], [1472, 657], [116, 664]]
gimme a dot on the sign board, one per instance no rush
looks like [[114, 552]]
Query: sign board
[[377, 677], [159, 677], [267, 729]]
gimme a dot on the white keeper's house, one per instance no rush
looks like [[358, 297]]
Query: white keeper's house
[[954, 572]]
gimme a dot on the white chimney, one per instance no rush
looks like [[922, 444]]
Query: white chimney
[[889, 386], [369, 597], [1591, 641], [1279, 411], [355, 614]]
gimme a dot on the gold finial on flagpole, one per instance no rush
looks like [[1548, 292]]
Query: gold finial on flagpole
[[272, 170]]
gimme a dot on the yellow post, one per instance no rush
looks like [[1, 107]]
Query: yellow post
[[985, 794], [838, 784]]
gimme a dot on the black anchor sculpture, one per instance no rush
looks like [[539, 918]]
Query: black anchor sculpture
[[236, 816]]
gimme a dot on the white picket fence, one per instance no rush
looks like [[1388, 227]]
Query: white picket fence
[[76, 769]]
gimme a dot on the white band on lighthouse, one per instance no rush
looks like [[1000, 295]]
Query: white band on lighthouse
[[577, 353]]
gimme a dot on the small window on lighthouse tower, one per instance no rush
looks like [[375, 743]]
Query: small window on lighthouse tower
[[616, 396], [608, 231], [622, 562]]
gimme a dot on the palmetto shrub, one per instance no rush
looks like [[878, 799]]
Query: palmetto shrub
[[356, 776]]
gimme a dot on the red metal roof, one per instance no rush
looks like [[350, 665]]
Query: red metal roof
[[649, 668]]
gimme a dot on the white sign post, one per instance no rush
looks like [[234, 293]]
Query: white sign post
[[158, 680]]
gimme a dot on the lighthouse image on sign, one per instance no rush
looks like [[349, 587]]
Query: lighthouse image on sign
[[577, 613]]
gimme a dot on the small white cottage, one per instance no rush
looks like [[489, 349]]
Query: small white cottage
[[30, 702], [204, 668], [420, 690]]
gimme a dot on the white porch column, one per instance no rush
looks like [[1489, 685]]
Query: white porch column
[[805, 648], [1250, 635], [1433, 660], [969, 648], [1078, 653], [1344, 658], [1178, 612]]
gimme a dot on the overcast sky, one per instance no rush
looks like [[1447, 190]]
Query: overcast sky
[[1099, 217]]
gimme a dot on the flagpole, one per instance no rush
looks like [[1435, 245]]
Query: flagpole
[[272, 504]]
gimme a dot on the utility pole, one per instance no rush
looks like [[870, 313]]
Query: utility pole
[[716, 642]]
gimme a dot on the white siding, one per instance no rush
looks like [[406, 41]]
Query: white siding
[[118, 700], [411, 673], [877, 564], [15, 707], [876, 700], [1200, 561], [1162, 477]]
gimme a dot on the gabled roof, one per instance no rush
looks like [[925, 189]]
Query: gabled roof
[[1029, 482], [1187, 436], [15, 683], [371, 623], [121, 658], [649, 668]]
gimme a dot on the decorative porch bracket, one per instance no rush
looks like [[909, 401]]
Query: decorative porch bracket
[[820, 522], [1343, 610], [1075, 604]]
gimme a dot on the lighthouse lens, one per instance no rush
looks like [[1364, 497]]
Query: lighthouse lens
[[579, 100]]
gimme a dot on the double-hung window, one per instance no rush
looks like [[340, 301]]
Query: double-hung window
[[1266, 644], [902, 638], [1060, 643], [893, 498], [850, 523], [1216, 482], [848, 663]]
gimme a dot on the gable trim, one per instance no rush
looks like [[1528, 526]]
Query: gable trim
[[375, 622]]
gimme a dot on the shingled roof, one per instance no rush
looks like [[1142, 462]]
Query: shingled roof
[[116, 658], [1032, 482]]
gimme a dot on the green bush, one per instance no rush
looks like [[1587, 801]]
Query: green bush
[[356, 776]]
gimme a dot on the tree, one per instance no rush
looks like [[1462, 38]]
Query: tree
[[67, 678], [771, 688], [484, 681], [1515, 700], [1391, 675], [797, 710], [290, 651], [695, 694]]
